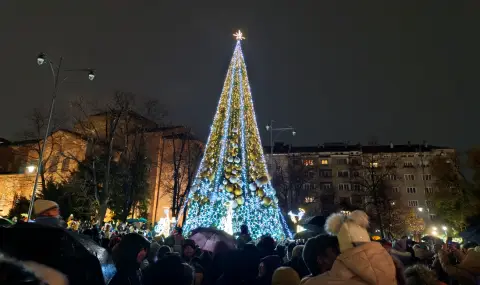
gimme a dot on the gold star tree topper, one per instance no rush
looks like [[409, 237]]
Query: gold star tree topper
[[239, 36]]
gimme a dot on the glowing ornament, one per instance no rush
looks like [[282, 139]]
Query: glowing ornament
[[237, 160], [252, 186]]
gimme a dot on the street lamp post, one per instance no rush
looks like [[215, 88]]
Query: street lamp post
[[57, 80], [271, 129]]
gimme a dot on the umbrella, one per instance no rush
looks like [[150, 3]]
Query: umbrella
[[315, 224], [54, 247], [207, 238], [5, 222]]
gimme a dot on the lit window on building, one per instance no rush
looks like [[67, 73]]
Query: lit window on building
[[324, 161], [308, 162], [374, 164], [309, 199]]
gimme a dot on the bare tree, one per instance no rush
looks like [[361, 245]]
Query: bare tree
[[184, 160], [373, 173], [293, 183], [30, 153], [115, 135]]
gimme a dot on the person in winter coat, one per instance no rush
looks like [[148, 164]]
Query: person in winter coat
[[285, 276], [267, 266], [361, 261], [244, 237], [48, 213], [320, 253], [399, 250], [127, 256], [297, 262], [467, 272]]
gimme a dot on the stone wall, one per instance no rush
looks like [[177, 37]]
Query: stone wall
[[14, 185]]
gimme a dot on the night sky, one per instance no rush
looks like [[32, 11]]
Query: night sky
[[335, 70]]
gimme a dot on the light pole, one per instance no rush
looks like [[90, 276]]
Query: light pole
[[57, 80], [271, 129]]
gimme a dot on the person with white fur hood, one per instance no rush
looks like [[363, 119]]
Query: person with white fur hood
[[361, 261]]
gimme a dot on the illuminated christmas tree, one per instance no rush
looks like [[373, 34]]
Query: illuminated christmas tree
[[232, 186]]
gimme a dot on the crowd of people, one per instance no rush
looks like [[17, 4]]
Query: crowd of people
[[345, 255]]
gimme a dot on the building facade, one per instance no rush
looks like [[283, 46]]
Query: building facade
[[170, 151], [338, 176]]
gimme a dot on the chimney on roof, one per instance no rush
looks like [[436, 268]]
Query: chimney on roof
[[391, 144]]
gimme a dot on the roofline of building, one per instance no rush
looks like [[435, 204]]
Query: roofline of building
[[346, 148]]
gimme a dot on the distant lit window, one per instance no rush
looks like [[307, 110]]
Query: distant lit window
[[308, 162], [324, 161], [66, 164], [309, 199], [374, 164]]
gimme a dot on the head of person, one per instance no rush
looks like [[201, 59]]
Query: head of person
[[170, 270], [244, 229], [178, 230], [297, 251], [266, 244], [320, 253], [285, 276], [188, 249], [268, 265], [420, 274], [351, 230], [162, 251], [129, 253], [46, 208]]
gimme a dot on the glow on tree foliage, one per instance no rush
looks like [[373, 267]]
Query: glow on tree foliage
[[232, 186]]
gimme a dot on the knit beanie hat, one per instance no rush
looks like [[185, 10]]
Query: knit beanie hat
[[41, 206], [285, 276], [349, 229]]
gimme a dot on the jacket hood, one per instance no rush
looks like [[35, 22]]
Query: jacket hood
[[368, 264]]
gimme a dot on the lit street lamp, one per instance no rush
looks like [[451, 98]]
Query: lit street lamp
[[57, 71]]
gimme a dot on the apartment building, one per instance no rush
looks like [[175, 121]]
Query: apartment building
[[336, 174]]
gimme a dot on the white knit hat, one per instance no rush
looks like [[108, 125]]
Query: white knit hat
[[349, 229], [41, 206]]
